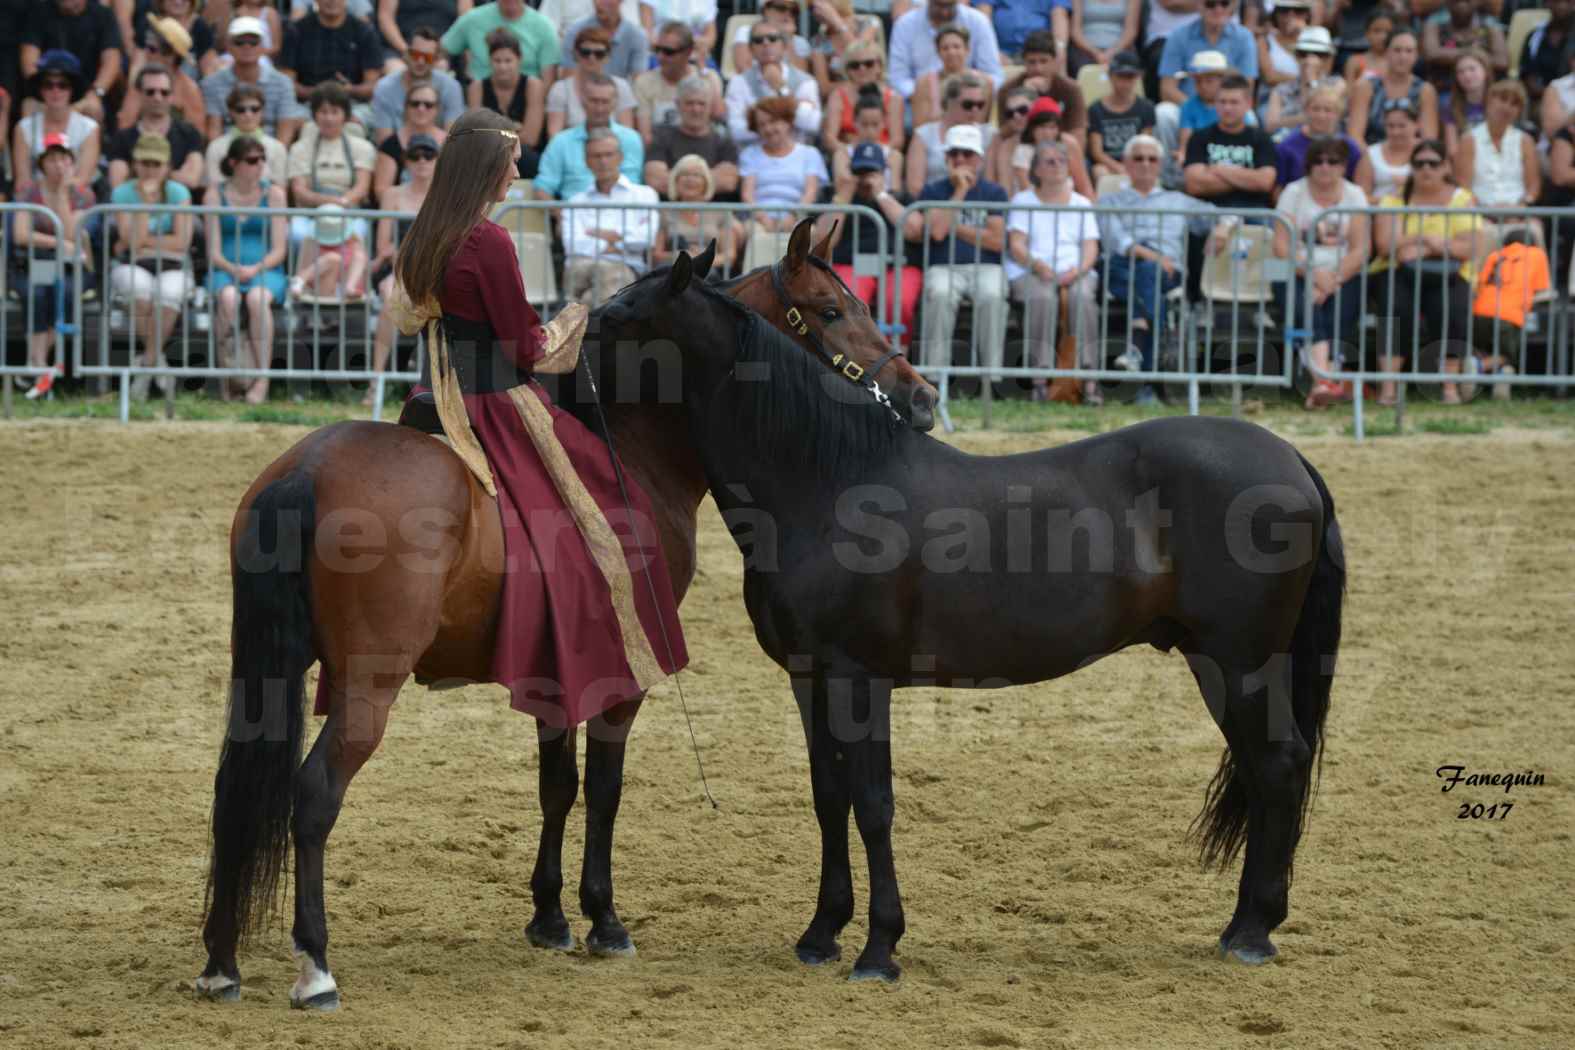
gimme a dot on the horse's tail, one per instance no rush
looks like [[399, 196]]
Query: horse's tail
[[1222, 826], [271, 648]]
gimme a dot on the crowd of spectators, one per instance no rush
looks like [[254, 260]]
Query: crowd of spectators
[[1202, 106]]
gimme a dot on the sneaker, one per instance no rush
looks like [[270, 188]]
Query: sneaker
[[1470, 366], [1326, 392], [1131, 361], [1146, 397], [1501, 391], [297, 287], [42, 385]]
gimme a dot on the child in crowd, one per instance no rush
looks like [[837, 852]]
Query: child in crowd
[[332, 262], [1120, 115], [869, 121], [1207, 70]]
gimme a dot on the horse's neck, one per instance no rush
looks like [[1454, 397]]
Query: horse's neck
[[654, 445]]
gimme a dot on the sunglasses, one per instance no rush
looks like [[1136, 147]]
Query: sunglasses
[[1017, 111], [1142, 158], [1325, 162], [974, 105], [147, 162], [863, 63], [157, 92], [1309, 54], [246, 41], [953, 154], [669, 51], [591, 52], [243, 110], [1216, 4], [1427, 162], [420, 154], [255, 158], [422, 56], [766, 38], [57, 85], [421, 103]]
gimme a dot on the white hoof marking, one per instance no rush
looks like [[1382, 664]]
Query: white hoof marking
[[312, 982]]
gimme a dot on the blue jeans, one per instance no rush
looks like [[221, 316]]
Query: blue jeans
[[1142, 285]]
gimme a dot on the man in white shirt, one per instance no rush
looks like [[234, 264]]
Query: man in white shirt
[[606, 248], [771, 75], [913, 43]]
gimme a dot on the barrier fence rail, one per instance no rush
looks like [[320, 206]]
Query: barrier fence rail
[[26, 269], [1226, 337], [1234, 312]]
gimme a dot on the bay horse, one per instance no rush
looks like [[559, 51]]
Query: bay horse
[[894, 560], [419, 595]]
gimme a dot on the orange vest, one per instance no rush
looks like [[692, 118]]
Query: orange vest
[[1510, 277]]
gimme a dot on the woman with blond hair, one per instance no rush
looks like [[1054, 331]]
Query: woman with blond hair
[[1315, 65], [866, 74], [1497, 161], [839, 29], [691, 182]]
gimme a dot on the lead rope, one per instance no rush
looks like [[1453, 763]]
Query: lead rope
[[656, 603]]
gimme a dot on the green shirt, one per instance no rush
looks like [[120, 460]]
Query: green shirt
[[538, 40]]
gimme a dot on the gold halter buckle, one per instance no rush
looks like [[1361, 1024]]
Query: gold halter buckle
[[852, 369], [796, 320]]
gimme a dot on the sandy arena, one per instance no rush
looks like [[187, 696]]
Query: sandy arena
[[1051, 898]]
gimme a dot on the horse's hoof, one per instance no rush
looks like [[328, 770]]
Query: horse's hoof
[[553, 940], [322, 1002], [886, 972], [616, 947], [813, 956], [1248, 953], [219, 989]]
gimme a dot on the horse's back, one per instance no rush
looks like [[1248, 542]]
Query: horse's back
[[409, 548]]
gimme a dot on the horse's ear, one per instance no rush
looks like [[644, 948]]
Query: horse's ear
[[823, 249], [678, 277], [799, 244], [704, 260]]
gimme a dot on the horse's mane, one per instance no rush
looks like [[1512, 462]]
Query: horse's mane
[[788, 405], [785, 402]]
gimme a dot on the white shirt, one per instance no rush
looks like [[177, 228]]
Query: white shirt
[[913, 47], [564, 13], [806, 121], [1054, 237], [636, 225]]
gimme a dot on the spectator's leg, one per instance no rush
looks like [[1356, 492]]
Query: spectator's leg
[[912, 287], [355, 268], [1148, 304], [577, 279], [1040, 306], [1083, 303], [989, 311], [610, 277], [942, 293], [260, 349]]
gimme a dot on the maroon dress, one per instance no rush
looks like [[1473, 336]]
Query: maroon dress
[[577, 633]]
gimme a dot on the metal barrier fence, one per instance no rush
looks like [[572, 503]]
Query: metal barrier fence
[[37, 268], [1241, 331], [1427, 267], [1226, 338]]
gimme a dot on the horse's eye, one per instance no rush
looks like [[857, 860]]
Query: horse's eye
[[830, 314]]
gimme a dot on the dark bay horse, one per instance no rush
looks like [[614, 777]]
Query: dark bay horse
[[894, 560], [370, 549]]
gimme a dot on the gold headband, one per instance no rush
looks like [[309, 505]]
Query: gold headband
[[514, 135]]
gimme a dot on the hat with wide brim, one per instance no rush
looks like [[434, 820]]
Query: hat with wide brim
[[1316, 39], [60, 63], [172, 33]]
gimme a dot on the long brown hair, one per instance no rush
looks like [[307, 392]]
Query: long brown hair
[[470, 166], [1457, 97]]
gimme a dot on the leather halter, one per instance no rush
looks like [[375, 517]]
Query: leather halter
[[842, 364]]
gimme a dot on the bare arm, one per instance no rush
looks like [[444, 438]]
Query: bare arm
[[894, 130], [1170, 91], [726, 177], [389, 27], [535, 109], [913, 179], [384, 171], [831, 122], [1428, 112], [1531, 167], [1363, 177], [1361, 99], [1466, 162]]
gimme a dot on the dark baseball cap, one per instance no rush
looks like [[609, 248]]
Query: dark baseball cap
[[867, 157], [1126, 62], [422, 141]]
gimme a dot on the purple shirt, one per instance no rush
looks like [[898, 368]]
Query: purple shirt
[[1291, 157]]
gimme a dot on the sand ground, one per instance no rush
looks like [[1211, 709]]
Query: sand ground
[[1051, 898]]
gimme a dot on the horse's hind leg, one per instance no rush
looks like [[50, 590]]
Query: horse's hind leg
[[1260, 790], [606, 738], [559, 783], [349, 736]]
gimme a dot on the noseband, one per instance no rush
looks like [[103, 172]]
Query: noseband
[[843, 365]]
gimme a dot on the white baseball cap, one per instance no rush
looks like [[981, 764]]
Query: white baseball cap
[[1209, 62], [246, 25], [1315, 38], [965, 136]]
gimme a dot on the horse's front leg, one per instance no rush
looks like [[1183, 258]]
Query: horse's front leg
[[834, 904], [606, 737], [560, 783], [861, 724]]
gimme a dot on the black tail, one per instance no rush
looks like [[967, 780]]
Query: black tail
[[1222, 826], [271, 644]]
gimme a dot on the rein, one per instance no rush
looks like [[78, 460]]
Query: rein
[[843, 365]]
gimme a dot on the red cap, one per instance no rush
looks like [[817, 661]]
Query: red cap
[[58, 141], [1044, 104]]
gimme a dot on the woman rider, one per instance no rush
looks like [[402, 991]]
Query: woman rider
[[580, 623]]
